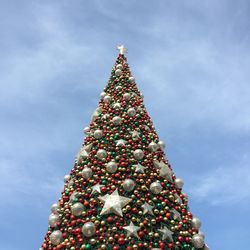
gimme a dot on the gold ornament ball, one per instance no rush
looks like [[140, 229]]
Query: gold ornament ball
[[156, 235], [110, 239], [93, 241]]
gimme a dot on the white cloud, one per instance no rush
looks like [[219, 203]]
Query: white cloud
[[30, 72], [195, 83], [225, 184], [25, 185]]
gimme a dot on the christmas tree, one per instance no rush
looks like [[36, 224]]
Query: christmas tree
[[122, 192]]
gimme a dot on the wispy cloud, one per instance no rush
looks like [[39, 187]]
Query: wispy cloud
[[225, 184], [23, 185]]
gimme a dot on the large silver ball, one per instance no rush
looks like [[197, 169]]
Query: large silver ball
[[131, 79], [118, 72], [102, 94], [126, 96], [88, 229], [138, 154], [86, 130], [101, 154], [54, 208], [119, 66], [162, 144], [70, 183], [117, 120], [179, 183], [196, 223], [155, 187], [111, 167], [131, 112], [98, 134], [153, 146], [87, 173], [74, 196], [66, 177], [53, 220], [128, 185], [202, 234], [107, 99], [198, 241], [98, 110], [56, 237], [77, 209]]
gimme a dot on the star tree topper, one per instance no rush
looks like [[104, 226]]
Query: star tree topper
[[122, 49], [113, 203]]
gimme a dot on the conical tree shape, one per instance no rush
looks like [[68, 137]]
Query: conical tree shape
[[122, 192]]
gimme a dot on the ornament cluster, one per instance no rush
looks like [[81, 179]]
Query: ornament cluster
[[122, 192]]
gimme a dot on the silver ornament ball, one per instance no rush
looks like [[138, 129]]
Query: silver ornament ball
[[118, 72], [155, 187], [66, 177], [74, 196], [179, 183], [86, 130], [77, 209], [56, 237], [126, 96], [153, 146], [87, 173], [131, 112], [131, 79], [102, 94], [111, 167], [119, 66], [138, 154], [117, 120], [198, 241], [70, 183], [101, 154], [53, 220], [196, 223], [202, 234], [162, 144], [98, 134], [54, 208], [88, 229], [128, 185], [107, 99], [98, 110]]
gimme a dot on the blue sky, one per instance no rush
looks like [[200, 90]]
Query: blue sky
[[191, 61]]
